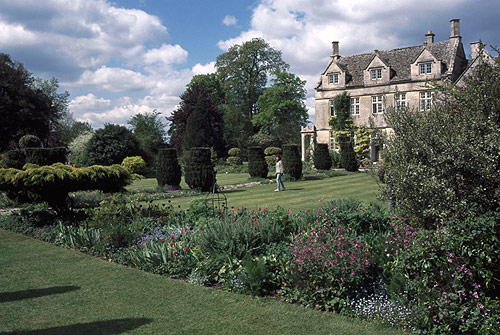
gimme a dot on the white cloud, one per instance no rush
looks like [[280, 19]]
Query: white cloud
[[203, 69], [229, 20], [113, 80], [166, 54], [15, 34]]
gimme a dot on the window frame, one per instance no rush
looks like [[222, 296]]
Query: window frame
[[331, 108], [400, 100], [354, 107], [333, 78], [425, 68], [376, 74], [377, 104], [425, 101]]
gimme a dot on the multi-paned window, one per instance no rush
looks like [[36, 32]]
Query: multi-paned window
[[376, 74], [400, 100], [331, 144], [377, 106], [331, 107], [425, 101], [354, 106], [333, 78], [425, 68]]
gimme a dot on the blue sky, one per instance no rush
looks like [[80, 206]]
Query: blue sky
[[118, 58]]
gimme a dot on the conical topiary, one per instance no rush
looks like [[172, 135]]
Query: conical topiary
[[257, 166], [291, 161], [322, 159], [199, 172], [168, 170]]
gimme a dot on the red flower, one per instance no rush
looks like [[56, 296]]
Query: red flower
[[171, 237], [259, 208], [234, 220], [174, 252], [162, 240], [185, 249], [171, 244], [185, 228], [200, 227], [265, 210]]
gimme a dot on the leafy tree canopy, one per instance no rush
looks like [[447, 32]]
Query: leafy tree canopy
[[149, 131], [281, 108]]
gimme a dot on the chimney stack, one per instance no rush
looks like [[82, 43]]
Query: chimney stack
[[455, 28], [475, 48], [429, 37], [335, 49]]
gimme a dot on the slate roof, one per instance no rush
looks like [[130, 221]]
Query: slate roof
[[398, 59]]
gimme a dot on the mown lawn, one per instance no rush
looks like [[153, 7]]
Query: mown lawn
[[299, 196], [45, 289]]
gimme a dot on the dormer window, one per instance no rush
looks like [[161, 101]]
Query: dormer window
[[376, 74], [425, 68], [333, 78]]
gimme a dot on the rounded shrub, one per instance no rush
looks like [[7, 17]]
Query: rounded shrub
[[271, 153], [168, 170], [234, 158], [257, 166], [291, 161], [199, 170], [134, 164], [322, 159], [30, 141]]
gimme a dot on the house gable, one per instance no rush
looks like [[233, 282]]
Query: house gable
[[426, 67], [333, 77], [377, 72]]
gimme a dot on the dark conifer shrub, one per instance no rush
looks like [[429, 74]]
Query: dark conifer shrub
[[348, 157], [322, 159], [45, 156], [168, 170], [291, 161], [257, 166], [199, 171]]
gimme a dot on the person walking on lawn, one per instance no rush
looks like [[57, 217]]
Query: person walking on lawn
[[279, 174]]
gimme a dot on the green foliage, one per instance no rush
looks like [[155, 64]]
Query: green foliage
[[110, 145], [76, 148], [27, 106], [262, 140], [291, 161], [271, 153], [29, 141], [336, 159], [322, 160], [450, 273], [343, 126], [168, 170], [45, 156], [13, 159], [281, 108], [443, 164], [234, 152], [135, 165], [362, 147], [243, 71], [199, 172], [257, 166], [150, 132], [52, 183]]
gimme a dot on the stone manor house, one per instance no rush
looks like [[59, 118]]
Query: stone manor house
[[382, 78]]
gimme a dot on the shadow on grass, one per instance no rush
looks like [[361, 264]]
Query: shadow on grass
[[35, 293], [117, 326]]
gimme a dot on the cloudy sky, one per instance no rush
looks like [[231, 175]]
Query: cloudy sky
[[122, 57]]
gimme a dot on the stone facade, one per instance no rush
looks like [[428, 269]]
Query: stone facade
[[379, 79]]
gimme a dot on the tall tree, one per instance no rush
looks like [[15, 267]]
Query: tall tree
[[281, 108], [24, 107], [149, 131], [208, 89], [244, 71], [343, 127], [110, 145], [204, 127]]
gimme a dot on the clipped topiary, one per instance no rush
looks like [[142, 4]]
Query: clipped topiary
[[257, 166], [168, 170], [271, 153], [199, 171], [234, 158], [291, 161], [45, 156], [135, 164], [322, 159], [29, 141]]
